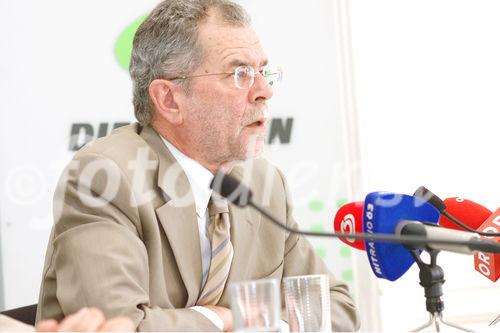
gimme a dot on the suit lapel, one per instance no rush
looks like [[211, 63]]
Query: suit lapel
[[178, 215]]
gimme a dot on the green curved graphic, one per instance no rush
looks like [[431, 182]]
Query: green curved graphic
[[347, 276], [123, 46], [341, 202], [316, 205], [317, 227], [345, 252], [321, 252]]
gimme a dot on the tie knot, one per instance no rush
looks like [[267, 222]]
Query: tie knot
[[217, 205]]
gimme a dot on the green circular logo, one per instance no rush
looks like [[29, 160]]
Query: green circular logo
[[123, 46]]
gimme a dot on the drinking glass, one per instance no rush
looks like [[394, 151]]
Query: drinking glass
[[307, 300], [256, 305]]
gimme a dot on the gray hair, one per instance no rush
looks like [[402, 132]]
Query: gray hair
[[166, 45]]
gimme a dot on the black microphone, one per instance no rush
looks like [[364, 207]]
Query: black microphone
[[237, 193], [425, 194]]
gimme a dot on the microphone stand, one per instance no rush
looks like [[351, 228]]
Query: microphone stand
[[431, 279]]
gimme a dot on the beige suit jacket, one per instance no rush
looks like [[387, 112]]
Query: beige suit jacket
[[125, 238]]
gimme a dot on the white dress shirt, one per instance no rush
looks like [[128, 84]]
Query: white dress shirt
[[199, 178]]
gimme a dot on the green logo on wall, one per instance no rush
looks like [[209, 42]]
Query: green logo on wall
[[123, 46]]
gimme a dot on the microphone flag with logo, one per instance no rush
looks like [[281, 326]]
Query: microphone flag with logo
[[488, 264], [349, 219], [382, 213]]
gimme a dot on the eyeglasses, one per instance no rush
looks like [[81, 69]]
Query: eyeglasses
[[244, 76]]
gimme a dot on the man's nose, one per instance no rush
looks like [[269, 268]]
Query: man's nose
[[261, 89]]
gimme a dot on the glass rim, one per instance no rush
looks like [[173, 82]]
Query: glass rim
[[254, 282], [304, 277]]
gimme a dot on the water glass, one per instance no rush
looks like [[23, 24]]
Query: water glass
[[256, 306], [307, 300]]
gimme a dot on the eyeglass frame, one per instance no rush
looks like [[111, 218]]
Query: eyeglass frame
[[279, 71]]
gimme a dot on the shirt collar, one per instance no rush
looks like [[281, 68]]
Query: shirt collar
[[199, 178]]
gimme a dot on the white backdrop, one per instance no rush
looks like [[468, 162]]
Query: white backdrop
[[427, 88], [59, 69]]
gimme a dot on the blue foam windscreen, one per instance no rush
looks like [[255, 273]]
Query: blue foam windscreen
[[382, 213]]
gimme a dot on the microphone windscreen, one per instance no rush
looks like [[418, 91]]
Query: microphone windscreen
[[349, 219], [466, 211], [231, 189], [382, 213]]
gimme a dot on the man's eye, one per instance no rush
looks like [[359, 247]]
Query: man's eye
[[244, 72]]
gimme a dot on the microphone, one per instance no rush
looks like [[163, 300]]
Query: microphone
[[471, 213], [388, 263], [383, 213], [479, 218], [485, 222], [474, 213], [349, 219], [392, 261], [416, 228], [488, 264], [240, 195]]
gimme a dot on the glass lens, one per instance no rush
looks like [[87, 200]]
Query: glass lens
[[273, 75], [244, 77]]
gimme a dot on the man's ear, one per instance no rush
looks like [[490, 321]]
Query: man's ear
[[161, 93]]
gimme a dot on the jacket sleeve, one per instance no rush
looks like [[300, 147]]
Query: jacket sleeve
[[98, 258], [300, 259]]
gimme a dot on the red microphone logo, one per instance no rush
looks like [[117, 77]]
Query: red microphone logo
[[347, 226], [349, 220]]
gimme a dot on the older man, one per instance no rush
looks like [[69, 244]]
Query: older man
[[137, 231]]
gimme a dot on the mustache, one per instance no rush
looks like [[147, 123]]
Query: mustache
[[259, 114]]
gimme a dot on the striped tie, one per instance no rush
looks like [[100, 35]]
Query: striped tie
[[222, 252]]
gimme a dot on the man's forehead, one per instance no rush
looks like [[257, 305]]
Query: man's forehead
[[224, 41]]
